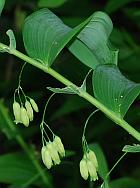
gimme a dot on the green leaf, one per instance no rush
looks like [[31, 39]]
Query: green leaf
[[45, 35], [83, 53], [83, 87], [2, 3], [12, 39], [51, 3], [103, 167], [66, 90], [71, 89], [132, 149], [125, 183], [92, 46], [114, 90], [15, 168], [113, 6]]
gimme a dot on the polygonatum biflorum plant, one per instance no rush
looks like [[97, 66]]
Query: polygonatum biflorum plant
[[45, 36]]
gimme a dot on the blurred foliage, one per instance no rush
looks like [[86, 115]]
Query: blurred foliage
[[67, 113]]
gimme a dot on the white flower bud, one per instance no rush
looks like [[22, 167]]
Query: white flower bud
[[92, 171], [59, 146], [29, 110], [92, 157], [34, 105], [16, 110], [24, 117], [47, 160], [53, 152], [84, 169]]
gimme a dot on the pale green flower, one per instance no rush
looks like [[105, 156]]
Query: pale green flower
[[29, 110], [59, 146], [34, 105], [84, 169], [46, 157], [53, 153], [24, 117]]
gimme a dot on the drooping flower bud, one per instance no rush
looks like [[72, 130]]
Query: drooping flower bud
[[16, 110], [84, 169], [34, 105], [24, 117], [29, 110], [92, 171], [92, 157], [59, 146], [53, 152], [47, 160]]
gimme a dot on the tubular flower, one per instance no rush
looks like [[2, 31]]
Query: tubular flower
[[29, 110], [34, 105], [89, 166], [92, 157], [84, 169], [24, 117], [59, 146], [16, 110], [46, 157], [92, 171], [52, 152]]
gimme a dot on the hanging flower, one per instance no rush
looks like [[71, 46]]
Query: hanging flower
[[52, 152], [89, 166]]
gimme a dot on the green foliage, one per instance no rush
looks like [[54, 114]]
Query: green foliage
[[113, 6], [6, 122], [113, 89], [2, 2], [45, 35], [132, 149], [125, 183], [15, 168], [66, 90], [51, 3], [95, 36], [71, 89], [12, 39]]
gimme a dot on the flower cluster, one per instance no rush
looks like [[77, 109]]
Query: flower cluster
[[24, 114], [89, 166], [52, 152]]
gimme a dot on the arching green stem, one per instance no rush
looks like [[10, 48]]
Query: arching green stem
[[81, 93]]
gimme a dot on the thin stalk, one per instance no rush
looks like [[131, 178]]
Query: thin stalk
[[116, 164], [84, 142], [19, 81], [46, 106], [81, 93], [107, 176], [88, 120]]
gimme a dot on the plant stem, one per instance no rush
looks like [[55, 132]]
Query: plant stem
[[81, 93]]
